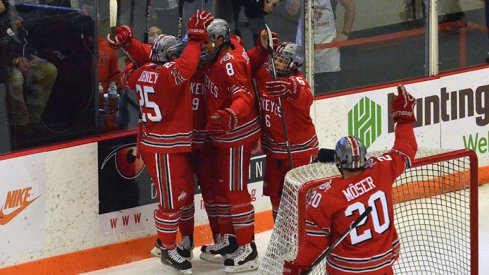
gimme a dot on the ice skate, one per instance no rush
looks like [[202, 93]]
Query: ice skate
[[245, 258], [216, 253]]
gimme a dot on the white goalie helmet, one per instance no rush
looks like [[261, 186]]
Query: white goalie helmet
[[290, 54], [164, 47], [350, 153]]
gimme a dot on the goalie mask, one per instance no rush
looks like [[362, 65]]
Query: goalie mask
[[350, 154], [164, 47], [288, 58]]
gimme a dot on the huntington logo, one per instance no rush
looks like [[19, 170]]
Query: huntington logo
[[364, 121]]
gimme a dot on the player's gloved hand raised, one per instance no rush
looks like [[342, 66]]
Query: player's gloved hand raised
[[121, 36], [282, 86], [197, 25], [262, 40], [403, 106], [223, 121], [291, 269]]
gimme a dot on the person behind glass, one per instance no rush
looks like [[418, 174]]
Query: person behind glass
[[234, 128], [30, 79], [291, 86], [165, 144], [255, 11], [372, 247], [324, 31]]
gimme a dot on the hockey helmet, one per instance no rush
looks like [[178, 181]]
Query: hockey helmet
[[289, 54], [350, 154], [219, 27], [164, 47]]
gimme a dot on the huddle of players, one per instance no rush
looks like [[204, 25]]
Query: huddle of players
[[211, 75]]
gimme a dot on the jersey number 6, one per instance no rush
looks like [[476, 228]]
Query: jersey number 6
[[145, 104], [358, 235]]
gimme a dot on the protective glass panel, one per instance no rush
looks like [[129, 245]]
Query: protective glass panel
[[366, 43], [47, 72], [462, 33]]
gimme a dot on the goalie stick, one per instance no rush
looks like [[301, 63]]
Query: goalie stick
[[274, 72], [332, 246]]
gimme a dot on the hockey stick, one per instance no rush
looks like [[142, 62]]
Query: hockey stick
[[113, 13], [332, 246], [148, 17], [274, 72], [180, 18]]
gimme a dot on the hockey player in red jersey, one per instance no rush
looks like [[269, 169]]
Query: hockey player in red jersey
[[373, 246], [165, 102], [291, 86], [139, 53], [234, 128]]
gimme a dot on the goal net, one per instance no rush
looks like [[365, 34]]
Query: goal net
[[435, 214]]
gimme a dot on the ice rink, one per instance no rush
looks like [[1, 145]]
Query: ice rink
[[154, 266]]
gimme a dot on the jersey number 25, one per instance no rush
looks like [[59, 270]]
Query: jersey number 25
[[149, 109]]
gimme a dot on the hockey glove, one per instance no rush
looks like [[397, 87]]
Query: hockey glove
[[291, 269], [197, 25], [123, 34], [403, 106], [282, 86], [262, 40], [223, 121]]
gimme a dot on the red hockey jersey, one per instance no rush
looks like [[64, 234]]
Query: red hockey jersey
[[166, 103], [301, 131], [374, 245], [228, 80], [199, 136]]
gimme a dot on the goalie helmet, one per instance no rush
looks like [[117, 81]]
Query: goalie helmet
[[164, 47], [350, 154], [289, 54], [219, 27]]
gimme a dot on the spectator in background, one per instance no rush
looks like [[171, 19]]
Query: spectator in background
[[324, 29], [30, 78], [153, 32], [255, 11], [4, 129]]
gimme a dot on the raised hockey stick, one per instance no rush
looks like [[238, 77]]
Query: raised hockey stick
[[180, 18], [282, 115], [113, 13], [332, 246], [148, 18]]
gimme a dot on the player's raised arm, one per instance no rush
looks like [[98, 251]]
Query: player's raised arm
[[197, 34], [123, 38], [403, 113]]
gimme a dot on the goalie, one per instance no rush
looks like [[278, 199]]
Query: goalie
[[373, 246]]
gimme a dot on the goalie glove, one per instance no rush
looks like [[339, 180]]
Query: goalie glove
[[197, 25], [223, 121], [291, 269], [282, 86], [121, 36], [403, 106]]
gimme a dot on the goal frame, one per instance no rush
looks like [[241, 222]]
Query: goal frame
[[474, 186]]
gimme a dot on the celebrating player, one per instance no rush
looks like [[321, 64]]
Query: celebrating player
[[162, 87], [373, 246], [234, 127], [297, 99]]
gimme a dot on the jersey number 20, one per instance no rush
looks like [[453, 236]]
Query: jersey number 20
[[143, 94], [358, 234]]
